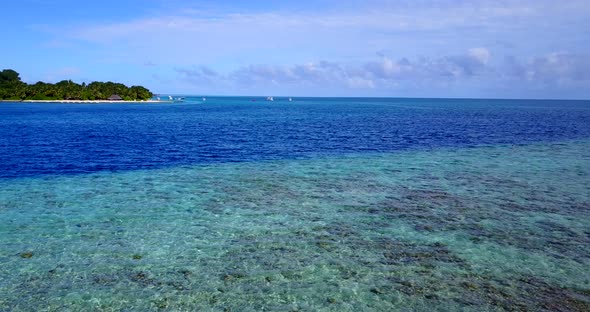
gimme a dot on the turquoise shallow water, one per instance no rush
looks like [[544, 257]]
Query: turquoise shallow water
[[473, 229]]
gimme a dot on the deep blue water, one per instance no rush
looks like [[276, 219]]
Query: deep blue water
[[40, 139]]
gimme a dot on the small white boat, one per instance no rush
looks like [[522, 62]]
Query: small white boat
[[290, 100], [270, 98], [204, 99]]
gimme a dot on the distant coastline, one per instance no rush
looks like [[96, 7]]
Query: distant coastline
[[13, 89], [82, 101]]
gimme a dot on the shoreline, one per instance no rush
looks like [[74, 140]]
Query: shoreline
[[81, 101]]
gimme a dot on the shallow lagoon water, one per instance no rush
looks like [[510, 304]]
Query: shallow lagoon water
[[315, 205], [473, 229]]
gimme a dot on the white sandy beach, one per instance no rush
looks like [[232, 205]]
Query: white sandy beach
[[84, 101]]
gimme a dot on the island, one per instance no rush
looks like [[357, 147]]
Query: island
[[13, 89]]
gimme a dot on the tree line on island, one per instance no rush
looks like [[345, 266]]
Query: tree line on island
[[12, 88]]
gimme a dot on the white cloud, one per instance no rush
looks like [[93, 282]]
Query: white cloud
[[198, 74], [552, 67], [372, 74], [481, 54], [361, 83], [552, 72]]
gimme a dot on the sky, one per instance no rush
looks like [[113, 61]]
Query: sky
[[381, 48]]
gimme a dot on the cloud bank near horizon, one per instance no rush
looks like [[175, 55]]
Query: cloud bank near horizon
[[565, 70]]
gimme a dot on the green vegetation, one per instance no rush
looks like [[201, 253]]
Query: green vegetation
[[12, 88]]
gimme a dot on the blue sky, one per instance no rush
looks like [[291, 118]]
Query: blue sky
[[421, 48]]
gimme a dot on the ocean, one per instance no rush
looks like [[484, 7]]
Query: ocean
[[319, 204]]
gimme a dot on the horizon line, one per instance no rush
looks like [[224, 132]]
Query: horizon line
[[378, 97]]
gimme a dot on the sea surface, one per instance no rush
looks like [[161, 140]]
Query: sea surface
[[319, 204]]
